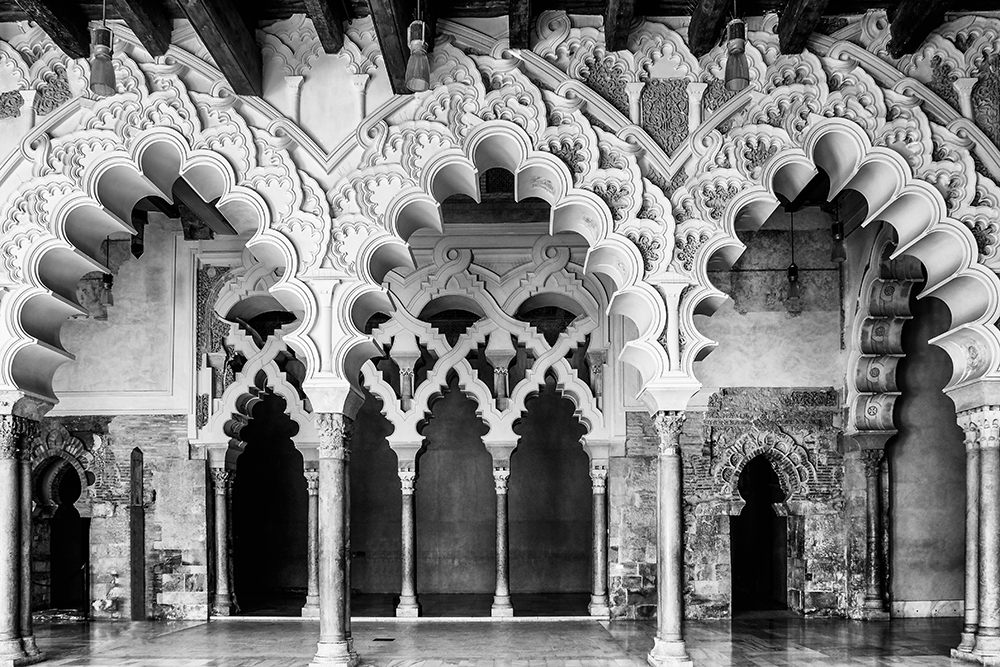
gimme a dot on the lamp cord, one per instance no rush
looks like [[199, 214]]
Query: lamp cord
[[791, 231]]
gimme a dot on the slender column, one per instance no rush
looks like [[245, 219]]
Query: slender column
[[971, 539], [332, 648], [27, 631], [348, 435], [501, 599], [599, 595], [408, 606], [668, 644], [311, 608], [873, 563], [988, 631], [222, 604], [11, 429]]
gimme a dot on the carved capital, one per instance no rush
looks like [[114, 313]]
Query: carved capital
[[334, 431], [221, 480], [312, 482], [500, 477], [407, 478], [598, 479], [872, 459], [15, 432], [971, 437], [668, 425]]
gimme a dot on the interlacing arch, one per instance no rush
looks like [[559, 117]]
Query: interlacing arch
[[454, 281]]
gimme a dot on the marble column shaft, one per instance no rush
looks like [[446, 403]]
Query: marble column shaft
[[311, 608], [222, 604], [668, 644], [873, 567], [348, 431], [501, 599], [599, 557], [988, 629], [408, 606], [332, 648], [10, 540], [971, 540], [27, 630]]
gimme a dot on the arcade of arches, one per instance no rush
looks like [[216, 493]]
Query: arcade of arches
[[452, 356]]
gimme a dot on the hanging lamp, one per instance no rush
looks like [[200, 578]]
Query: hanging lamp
[[418, 66], [794, 289], [107, 279], [102, 70], [737, 65], [838, 252]]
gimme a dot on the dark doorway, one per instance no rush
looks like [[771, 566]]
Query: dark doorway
[[455, 505], [550, 510], [70, 538], [270, 516], [759, 542]]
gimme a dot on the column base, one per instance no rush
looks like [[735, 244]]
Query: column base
[[310, 610], [874, 615], [987, 650], [334, 654], [967, 643], [502, 607], [407, 607], [670, 653], [222, 606], [599, 606], [30, 647], [18, 662]]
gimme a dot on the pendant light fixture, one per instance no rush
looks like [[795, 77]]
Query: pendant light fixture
[[794, 289], [102, 70], [418, 66], [838, 252], [107, 279], [737, 66]]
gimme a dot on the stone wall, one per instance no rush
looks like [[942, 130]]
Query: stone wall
[[174, 502]]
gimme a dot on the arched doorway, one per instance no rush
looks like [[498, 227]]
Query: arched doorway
[[270, 516], [59, 488], [455, 511], [550, 517], [759, 542]]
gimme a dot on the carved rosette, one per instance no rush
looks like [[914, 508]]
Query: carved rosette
[[334, 435], [500, 478], [668, 425], [598, 479], [222, 479], [312, 482], [872, 459], [407, 479]]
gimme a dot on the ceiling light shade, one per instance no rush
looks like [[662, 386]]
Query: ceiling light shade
[[794, 290], [107, 295], [102, 70], [838, 252], [737, 66], [418, 66]]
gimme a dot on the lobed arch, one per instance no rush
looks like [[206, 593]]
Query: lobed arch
[[914, 209], [56, 452], [787, 456]]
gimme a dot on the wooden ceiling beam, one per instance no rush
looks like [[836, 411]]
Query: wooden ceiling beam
[[328, 16], [392, 18], [206, 212], [911, 21], [706, 24], [230, 42], [799, 20], [617, 19], [519, 24], [150, 22], [63, 22]]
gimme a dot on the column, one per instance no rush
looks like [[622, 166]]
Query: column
[[311, 608], [599, 594], [668, 644], [408, 591], [332, 648], [874, 609], [27, 631], [971, 539], [988, 630], [10, 540], [348, 434], [501, 599], [222, 604]]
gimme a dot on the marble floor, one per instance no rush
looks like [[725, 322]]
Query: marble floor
[[753, 642]]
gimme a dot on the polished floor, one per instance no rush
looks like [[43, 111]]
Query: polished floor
[[751, 642]]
